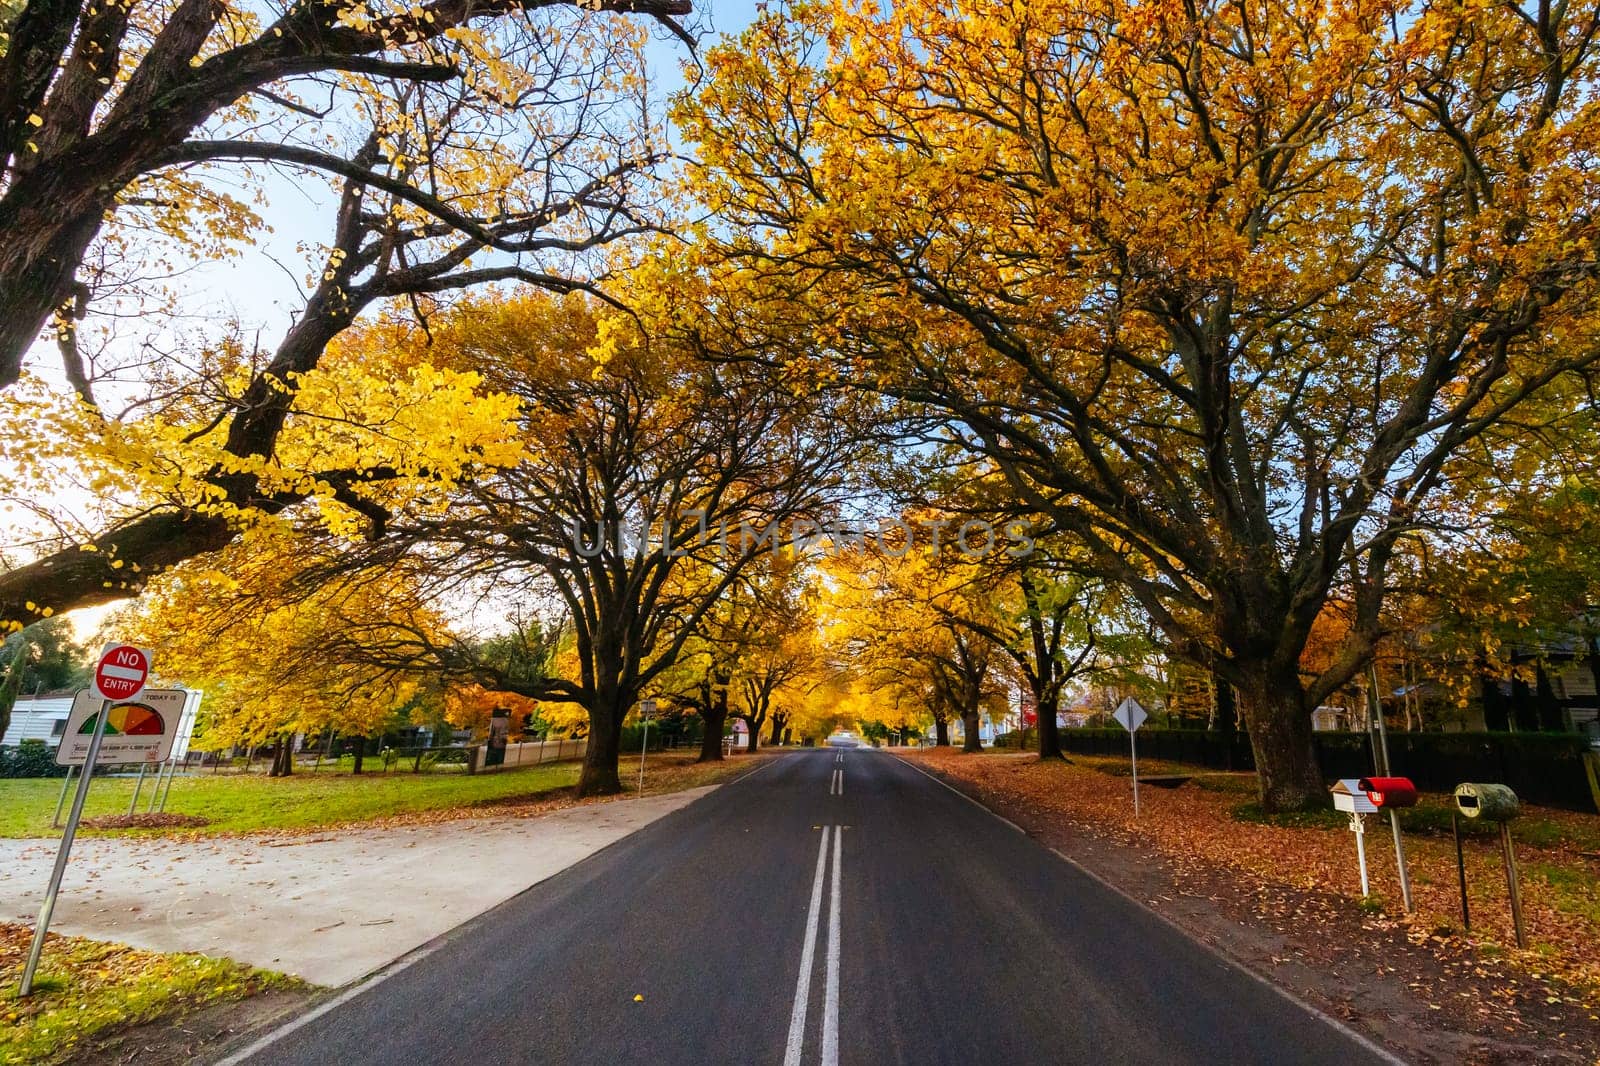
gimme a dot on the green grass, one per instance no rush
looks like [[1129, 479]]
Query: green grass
[[1316, 818], [244, 803], [1573, 891], [86, 988]]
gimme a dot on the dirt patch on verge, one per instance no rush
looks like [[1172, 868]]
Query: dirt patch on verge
[[1412, 985]]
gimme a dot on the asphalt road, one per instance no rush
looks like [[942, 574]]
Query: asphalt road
[[828, 908]]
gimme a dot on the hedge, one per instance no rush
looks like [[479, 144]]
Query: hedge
[[32, 758], [1543, 768]]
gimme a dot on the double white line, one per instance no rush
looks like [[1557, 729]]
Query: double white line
[[836, 785], [802, 991]]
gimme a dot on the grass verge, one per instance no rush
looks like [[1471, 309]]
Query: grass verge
[[247, 803], [89, 988]]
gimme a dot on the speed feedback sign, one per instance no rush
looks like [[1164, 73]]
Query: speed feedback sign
[[121, 672]]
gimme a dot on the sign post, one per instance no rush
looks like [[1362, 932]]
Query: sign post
[[120, 675], [1130, 715], [1350, 798], [647, 710]]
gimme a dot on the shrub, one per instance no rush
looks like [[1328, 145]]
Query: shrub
[[31, 758]]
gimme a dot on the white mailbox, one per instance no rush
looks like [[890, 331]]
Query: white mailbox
[[1349, 797]]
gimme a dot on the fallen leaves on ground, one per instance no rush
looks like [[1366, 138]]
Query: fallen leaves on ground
[[146, 821]]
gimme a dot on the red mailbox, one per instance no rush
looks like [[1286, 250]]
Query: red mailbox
[[1387, 793]]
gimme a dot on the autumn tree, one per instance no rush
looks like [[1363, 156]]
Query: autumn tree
[[275, 654], [649, 482], [919, 622], [466, 145], [1220, 288], [116, 116], [779, 660]]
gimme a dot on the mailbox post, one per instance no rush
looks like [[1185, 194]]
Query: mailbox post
[[1352, 799], [1491, 803], [1390, 794]]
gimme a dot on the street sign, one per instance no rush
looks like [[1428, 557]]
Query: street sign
[[1130, 715], [647, 711], [121, 672], [137, 730]]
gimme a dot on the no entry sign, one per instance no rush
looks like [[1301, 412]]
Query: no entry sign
[[121, 672]]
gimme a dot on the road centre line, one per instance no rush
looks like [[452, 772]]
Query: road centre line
[[830, 1008], [802, 991]]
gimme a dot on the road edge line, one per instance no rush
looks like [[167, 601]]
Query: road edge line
[[941, 781], [267, 1039], [1228, 960], [1316, 1012]]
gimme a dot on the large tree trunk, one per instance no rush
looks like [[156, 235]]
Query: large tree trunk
[[599, 777], [777, 730], [969, 723], [1272, 703], [716, 719], [361, 754], [1049, 729], [755, 725], [941, 732]]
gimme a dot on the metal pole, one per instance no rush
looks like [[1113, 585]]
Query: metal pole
[[138, 786], [168, 768], [644, 746], [171, 773], [1133, 754], [155, 793], [1381, 751], [1511, 883], [1461, 872], [67, 836], [55, 823], [1400, 859]]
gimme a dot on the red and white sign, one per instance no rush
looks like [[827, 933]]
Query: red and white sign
[[121, 672]]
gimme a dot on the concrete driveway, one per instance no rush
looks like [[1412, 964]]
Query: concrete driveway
[[329, 908]]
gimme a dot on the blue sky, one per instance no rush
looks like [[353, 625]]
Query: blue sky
[[262, 294]]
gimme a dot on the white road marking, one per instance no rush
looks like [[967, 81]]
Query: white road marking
[[802, 990], [946, 785], [830, 1008], [340, 1000]]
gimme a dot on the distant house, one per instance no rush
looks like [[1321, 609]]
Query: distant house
[[1559, 696], [1329, 719], [42, 717]]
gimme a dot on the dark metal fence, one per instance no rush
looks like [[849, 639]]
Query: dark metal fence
[[1543, 768]]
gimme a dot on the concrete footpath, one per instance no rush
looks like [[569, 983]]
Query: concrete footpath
[[329, 908]]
